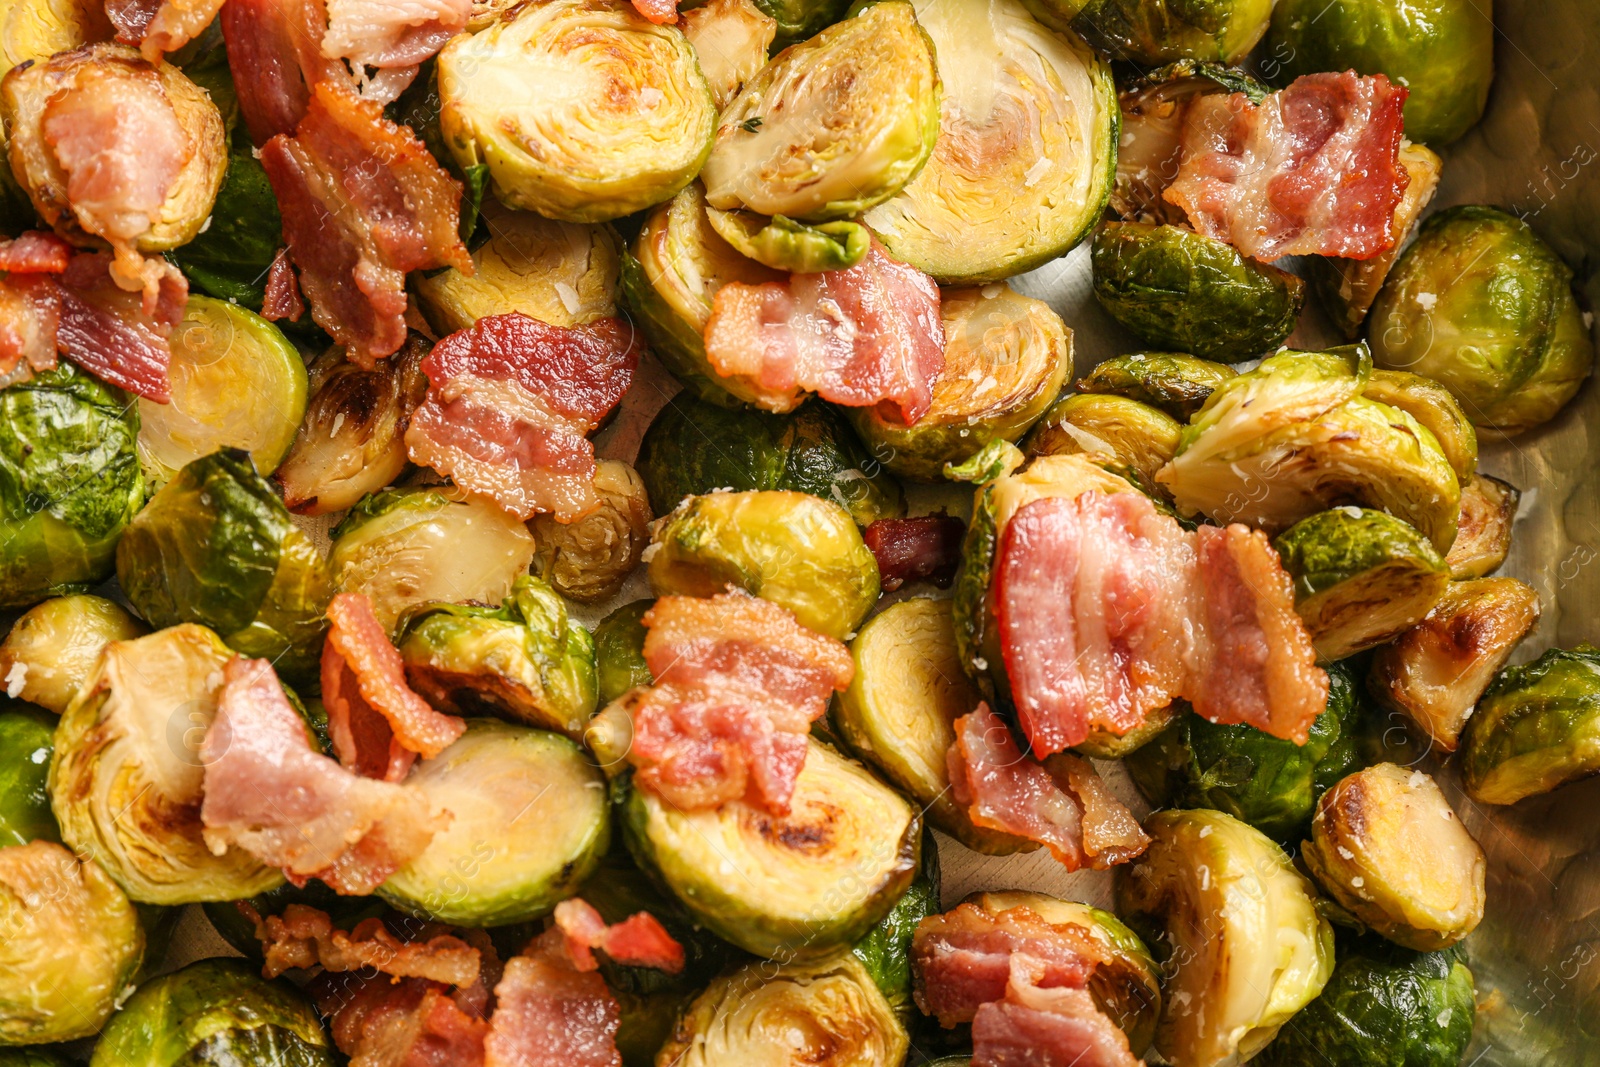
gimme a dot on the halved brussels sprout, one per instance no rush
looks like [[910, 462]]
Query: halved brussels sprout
[[731, 39], [237, 382], [619, 651], [72, 945], [216, 546], [794, 549], [899, 711], [530, 822], [352, 440], [126, 776], [69, 483], [1130, 434], [1483, 536], [562, 273], [38, 29], [51, 649], [1025, 153], [1127, 986], [1485, 307], [784, 244], [404, 547], [1536, 727], [1383, 1005], [1436, 408], [1443, 52], [1005, 359], [1438, 669], [695, 447], [583, 110], [1386, 846], [1361, 578], [215, 1011], [1174, 382], [525, 660], [828, 1013], [1245, 946], [26, 741], [794, 887], [1149, 32], [588, 560], [1176, 289], [832, 125]]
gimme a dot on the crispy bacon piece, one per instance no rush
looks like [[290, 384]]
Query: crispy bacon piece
[[282, 299], [639, 940], [391, 33], [924, 548], [30, 315], [377, 724], [549, 1013], [158, 26], [305, 937], [363, 203], [509, 403], [869, 336], [1313, 169], [35, 252], [268, 792], [380, 1022], [275, 55], [110, 333], [738, 683], [660, 12], [1038, 1026]]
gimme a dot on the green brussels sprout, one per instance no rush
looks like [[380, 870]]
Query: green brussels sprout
[[619, 651], [53, 646], [1483, 534], [1537, 726], [886, 948], [1387, 848], [1176, 289], [731, 39], [126, 777], [1443, 52], [217, 547], [784, 244], [800, 19], [38, 29], [833, 125], [1149, 32], [1005, 359], [530, 822], [794, 549], [26, 742], [809, 882], [1173, 382], [1361, 578], [1436, 671], [1482, 305], [1436, 408], [582, 110], [235, 925], [1244, 944], [1383, 1005], [69, 483], [526, 660], [70, 944], [215, 1012], [588, 559], [1131, 434], [1026, 150], [695, 447], [237, 382], [404, 547]]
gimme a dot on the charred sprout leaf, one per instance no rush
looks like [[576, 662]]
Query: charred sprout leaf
[[1435, 408], [1537, 727], [1483, 539], [51, 649], [588, 560], [619, 651], [230, 258], [1148, 32], [1130, 434], [26, 741], [784, 244], [1176, 383]]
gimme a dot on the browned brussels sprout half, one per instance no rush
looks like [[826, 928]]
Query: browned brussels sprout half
[[1175, 382], [1483, 540], [1133, 436], [589, 559], [1536, 728], [1148, 32], [52, 648]]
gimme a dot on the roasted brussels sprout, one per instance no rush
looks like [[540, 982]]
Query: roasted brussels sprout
[[808, 882], [1535, 728], [69, 483], [1174, 382], [231, 258], [1005, 359], [1132, 435], [530, 823], [832, 125], [404, 547], [784, 244], [1245, 946], [1485, 307], [1149, 32], [794, 549], [38, 29], [216, 1011], [1438, 669], [1483, 535], [1386, 846], [1443, 52], [562, 273], [51, 649], [216, 546], [619, 651], [731, 39], [1025, 154], [1383, 1005], [71, 945], [1176, 289], [582, 109], [26, 741], [1436, 409], [126, 777], [886, 948], [525, 660], [800, 19], [1360, 577], [589, 559], [694, 447], [237, 382]]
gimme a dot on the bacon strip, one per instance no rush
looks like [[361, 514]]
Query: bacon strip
[[925, 548], [158, 26], [869, 336], [549, 1013], [282, 299], [380, 1022], [304, 937], [35, 252], [660, 12], [275, 57], [391, 33], [1034, 1026], [108, 332], [639, 940], [30, 315], [1313, 169]]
